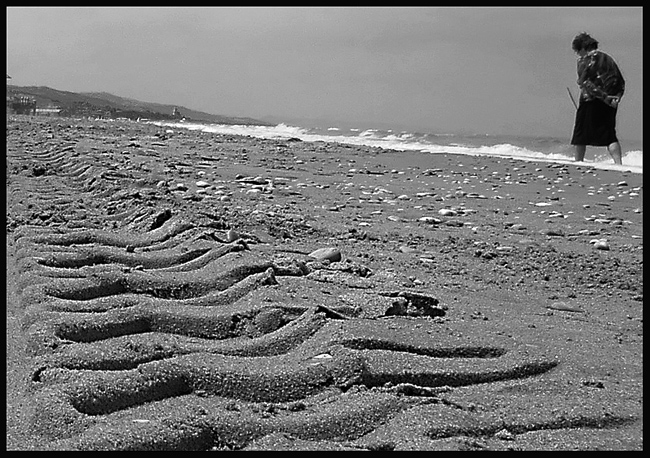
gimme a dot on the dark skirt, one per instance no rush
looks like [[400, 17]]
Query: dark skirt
[[595, 124]]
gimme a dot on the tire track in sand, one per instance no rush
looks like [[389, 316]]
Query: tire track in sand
[[143, 333]]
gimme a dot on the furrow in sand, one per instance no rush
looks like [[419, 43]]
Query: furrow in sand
[[144, 330]]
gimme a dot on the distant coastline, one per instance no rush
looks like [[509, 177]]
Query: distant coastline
[[105, 105]]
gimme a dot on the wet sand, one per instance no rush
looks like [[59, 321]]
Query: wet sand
[[161, 296]]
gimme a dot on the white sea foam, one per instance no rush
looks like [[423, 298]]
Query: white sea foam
[[278, 131], [407, 141]]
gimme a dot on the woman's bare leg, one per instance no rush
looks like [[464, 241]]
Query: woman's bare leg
[[615, 151]]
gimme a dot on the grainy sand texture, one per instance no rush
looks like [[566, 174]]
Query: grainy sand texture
[[170, 289]]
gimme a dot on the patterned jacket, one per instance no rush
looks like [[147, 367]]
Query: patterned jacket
[[599, 76]]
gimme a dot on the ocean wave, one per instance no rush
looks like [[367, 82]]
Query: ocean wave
[[520, 148], [278, 131]]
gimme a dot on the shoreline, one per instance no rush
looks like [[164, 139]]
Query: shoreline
[[475, 302], [468, 150]]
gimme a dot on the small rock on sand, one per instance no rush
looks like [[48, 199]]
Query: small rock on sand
[[601, 245], [327, 253], [231, 236]]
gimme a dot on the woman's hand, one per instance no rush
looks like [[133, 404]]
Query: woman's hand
[[612, 101]]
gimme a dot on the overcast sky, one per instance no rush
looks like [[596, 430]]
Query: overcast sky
[[480, 70]]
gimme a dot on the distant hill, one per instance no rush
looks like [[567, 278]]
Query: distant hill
[[103, 104]]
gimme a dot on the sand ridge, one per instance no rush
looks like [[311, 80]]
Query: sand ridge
[[163, 296]]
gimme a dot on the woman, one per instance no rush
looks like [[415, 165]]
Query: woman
[[601, 88]]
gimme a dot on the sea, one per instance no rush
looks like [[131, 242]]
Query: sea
[[532, 149]]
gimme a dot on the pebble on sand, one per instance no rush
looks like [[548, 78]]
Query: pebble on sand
[[430, 220], [327, 253], [600, 244], [232, 235], [504, 435]]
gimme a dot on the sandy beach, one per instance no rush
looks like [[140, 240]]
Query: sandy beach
[[177, 290]]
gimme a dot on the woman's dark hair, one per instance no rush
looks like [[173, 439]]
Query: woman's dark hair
[[584, 41]]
